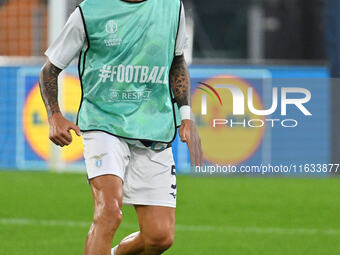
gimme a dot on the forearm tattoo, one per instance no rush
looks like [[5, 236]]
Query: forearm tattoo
[[180, 81], [48, 82]]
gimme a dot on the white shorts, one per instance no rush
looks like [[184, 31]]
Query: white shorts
[[149, 177]]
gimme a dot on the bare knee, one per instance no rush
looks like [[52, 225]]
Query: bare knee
[[108, 216], [160, 240]]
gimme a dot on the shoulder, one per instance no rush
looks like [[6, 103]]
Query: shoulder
[[76, 17]]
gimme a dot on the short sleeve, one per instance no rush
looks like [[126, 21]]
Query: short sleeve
[[69, 42], [181, 41]]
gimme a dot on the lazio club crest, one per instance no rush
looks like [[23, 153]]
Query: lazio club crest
[[99, 159]]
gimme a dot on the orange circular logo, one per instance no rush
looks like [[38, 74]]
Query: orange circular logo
[[237, 139]]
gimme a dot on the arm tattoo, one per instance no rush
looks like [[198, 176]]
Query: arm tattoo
[[180, 81], [48, 82]]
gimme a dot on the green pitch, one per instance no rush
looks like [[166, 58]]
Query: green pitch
[[50, 213]]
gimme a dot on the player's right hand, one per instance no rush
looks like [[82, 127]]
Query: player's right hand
[[60, 129]]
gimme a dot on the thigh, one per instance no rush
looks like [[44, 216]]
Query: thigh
[[107, 193], [156, 222]]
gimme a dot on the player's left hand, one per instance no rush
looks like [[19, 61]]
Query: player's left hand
[[189, 135]]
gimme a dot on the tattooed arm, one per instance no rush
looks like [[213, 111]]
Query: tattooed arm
[[180, 84], [48, 82], [180, 81], [59, 126]]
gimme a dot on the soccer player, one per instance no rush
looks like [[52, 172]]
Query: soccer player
[[133, 77]]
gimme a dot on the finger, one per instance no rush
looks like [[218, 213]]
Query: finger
[[201, 153], [67, 137], [62, 140], [192, 151], [198, 152], [201, 158], [192, 158], [56, 141], [76, 129], [186, 135], [198, 155], [53, 141], [181, 135], [193, 146], [184, 139]]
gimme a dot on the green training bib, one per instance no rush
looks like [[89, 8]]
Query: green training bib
[[125, 70]]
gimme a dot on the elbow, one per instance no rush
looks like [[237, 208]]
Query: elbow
[[43, 71], [41, 75], [47, 67]]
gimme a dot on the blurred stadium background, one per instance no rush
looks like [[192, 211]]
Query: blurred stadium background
[[48, 211]]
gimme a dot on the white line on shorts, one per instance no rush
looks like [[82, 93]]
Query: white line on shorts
[[179, 227]]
